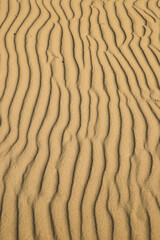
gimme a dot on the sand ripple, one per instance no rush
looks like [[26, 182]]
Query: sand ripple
[[79, 119]]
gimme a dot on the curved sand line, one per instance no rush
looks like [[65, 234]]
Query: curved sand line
[[79, 119]]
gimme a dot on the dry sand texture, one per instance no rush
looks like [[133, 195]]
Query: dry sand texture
[[79, 119]]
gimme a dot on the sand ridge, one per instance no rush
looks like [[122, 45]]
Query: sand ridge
[[79, 119]]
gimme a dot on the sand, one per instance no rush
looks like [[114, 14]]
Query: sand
[[79, 119]]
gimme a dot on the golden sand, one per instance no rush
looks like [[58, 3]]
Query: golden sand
[[79, 120]]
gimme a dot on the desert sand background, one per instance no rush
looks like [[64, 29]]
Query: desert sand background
[[79, 119]]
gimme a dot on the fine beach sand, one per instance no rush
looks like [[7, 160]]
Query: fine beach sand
[[79, 120]]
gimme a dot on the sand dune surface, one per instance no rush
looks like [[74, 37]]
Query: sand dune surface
[[79, 119]]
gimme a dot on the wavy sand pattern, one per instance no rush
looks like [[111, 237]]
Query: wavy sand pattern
[[79, 119]]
